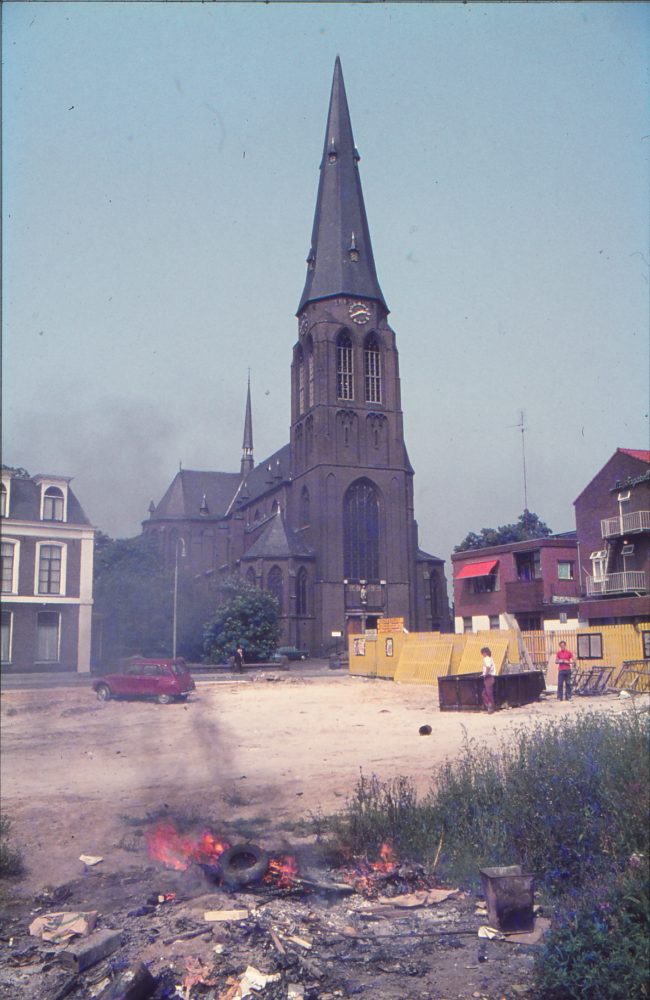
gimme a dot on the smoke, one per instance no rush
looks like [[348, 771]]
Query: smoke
[[119, 454]]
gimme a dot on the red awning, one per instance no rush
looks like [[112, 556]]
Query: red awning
[[477, 569]]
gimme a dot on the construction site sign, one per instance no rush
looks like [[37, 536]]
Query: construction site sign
[[390, 624]]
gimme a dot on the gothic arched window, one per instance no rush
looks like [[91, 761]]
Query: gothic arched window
[[361, 531], [301, 381], [301, 591], [344, 367], [372, 368], [250, 577], [275, 586], [434, 590], [310, 362], [304, 507]]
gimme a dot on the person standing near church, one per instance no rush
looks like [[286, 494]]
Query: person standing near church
[[489, 674], [238, 660], [564, 660]]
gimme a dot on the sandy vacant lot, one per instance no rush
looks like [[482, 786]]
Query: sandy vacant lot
[[256, 748]]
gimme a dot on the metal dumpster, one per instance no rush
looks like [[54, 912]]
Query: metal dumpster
[[464, 692]]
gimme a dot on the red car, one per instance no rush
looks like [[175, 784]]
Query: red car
[[160, 679]]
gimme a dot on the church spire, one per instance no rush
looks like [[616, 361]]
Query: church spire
[[247, 449], [340, 260]]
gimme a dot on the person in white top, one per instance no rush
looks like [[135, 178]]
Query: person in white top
[[489, 673]]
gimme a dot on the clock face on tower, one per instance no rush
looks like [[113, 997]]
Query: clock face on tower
[[304, 325], [359, 313]]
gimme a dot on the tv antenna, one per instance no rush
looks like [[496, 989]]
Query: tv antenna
[[522, 428]]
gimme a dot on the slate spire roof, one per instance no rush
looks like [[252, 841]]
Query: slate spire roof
[[340, 261], [279, 541], [247, 462]]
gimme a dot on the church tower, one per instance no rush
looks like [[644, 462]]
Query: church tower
[[352, 482]]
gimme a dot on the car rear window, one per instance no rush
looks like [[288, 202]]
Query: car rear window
[[178, 668]]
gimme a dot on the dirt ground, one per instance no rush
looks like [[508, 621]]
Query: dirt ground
[[269, 747], [256, 754]]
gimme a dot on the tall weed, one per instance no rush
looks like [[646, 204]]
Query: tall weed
[[567, 800]]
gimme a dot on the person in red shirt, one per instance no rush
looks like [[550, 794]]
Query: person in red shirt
[[564, 660]]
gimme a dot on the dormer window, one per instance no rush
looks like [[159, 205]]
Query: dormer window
[[53, 504], [353, 251]]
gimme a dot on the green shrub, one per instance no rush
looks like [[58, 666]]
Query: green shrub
[[248, 617], [597, 948]]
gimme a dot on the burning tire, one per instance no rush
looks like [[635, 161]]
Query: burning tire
[[104, 692], [236, 873]]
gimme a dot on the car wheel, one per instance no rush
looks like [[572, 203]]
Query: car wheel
[[104, 692], [164, 699], [236, 876], [303, 657]]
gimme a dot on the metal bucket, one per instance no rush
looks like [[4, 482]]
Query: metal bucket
[[509, 897]]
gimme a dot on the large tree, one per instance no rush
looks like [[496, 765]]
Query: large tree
[[528, 525], [247, 618], [133, 599]]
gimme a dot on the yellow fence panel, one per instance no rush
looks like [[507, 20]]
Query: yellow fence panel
[[376, 655], [424, 658], [471, 661]]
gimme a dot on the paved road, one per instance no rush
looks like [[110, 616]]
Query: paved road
[[33, 681]]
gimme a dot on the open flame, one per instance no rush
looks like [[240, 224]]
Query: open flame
[[166, 844], [369, 876], [283, 872]]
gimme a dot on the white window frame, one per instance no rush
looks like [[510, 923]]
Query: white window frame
[[565, 562], [45, 483], [10, 649], [372, 370], [345, 367], [64, 566], [599, 562], [14, 582], [58, 639]]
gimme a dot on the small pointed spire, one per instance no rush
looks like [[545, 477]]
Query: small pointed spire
[[204, 510], [334, 267], [152, 508], [247, 462]]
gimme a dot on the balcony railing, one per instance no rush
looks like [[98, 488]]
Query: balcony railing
[[625, 524], [617, 583]]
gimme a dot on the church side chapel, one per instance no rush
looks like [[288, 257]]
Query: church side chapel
[[326, 524]]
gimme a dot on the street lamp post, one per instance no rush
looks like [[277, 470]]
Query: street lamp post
[[182, 541]]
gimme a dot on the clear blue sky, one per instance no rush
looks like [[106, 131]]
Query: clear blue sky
[[160, 174]]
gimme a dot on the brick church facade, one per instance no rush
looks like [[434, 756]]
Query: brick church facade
[[327, 522]]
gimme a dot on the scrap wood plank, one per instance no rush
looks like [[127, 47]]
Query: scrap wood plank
[[216, 916]]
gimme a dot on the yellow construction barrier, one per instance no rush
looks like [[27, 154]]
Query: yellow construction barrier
[[472, 662], [424, 658]]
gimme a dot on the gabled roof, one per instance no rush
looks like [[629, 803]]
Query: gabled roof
[[278, 541], [643, 456], [269, 473], [340, 260], [184, 498], [636, 454], [423, 556]]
